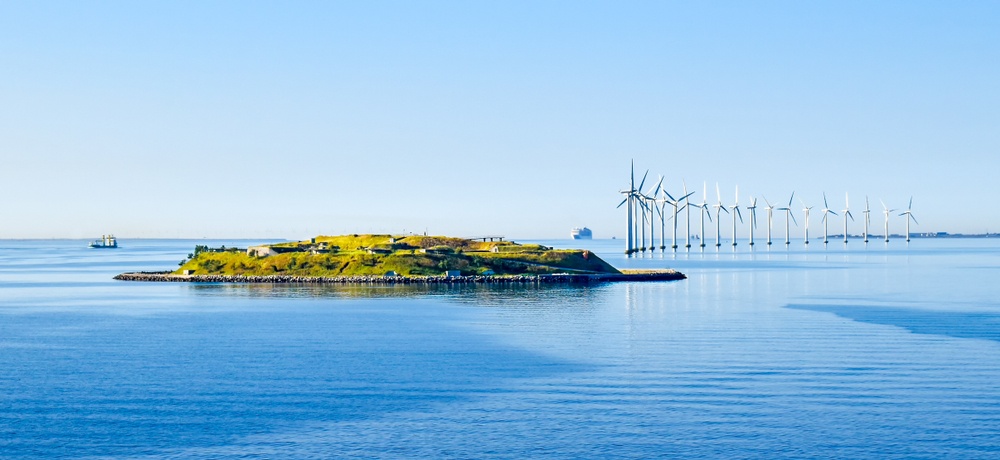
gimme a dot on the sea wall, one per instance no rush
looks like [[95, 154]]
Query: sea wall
[[665, 275]]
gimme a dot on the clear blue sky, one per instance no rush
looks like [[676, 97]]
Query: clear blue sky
[[291, 119]]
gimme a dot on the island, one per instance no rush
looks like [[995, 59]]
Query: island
[[392, 259]]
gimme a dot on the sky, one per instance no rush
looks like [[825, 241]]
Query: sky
[[242, 119]]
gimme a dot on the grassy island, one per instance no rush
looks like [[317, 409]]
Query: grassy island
[[392, 255]]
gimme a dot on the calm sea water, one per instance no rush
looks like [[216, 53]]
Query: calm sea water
[[857, 352]]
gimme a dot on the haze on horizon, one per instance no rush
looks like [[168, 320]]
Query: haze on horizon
[[287, 120]]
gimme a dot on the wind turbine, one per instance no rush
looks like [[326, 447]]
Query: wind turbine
[[847, 213], [867, 212], [675, 202], [629, 197], [770, 215], [909, 215], [651, 202], [718, 222], [641, 206], [642, 226], [687, 207], [826, 220], [788, 213], [736, 210], [805, 211], [887, 211], [704, 211], [753, 218]]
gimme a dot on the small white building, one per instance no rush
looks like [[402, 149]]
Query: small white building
[[260, 251]]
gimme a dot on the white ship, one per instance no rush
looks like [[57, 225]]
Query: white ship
[[581, 233]]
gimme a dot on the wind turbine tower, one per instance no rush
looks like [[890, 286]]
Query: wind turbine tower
[[753, 219], [718, 222], [629, 244], [704, 211], [805, 211], [909, 216], [675, 202], [642, 225], [687, 208], [736, 211], [826, 221], [641, 207], [770, 215], [887, 211], [651, 200], [868, 216], [847, 213], [788, 214]]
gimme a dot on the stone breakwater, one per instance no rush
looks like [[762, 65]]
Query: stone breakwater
[[660, 275]]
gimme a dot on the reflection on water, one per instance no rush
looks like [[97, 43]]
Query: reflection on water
[[495, 295]]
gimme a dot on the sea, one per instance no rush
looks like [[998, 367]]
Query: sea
[[854, 351]]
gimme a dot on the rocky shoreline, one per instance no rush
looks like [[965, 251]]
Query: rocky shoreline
[[659, 275]]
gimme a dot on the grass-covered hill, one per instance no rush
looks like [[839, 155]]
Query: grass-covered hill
[[409, 255]]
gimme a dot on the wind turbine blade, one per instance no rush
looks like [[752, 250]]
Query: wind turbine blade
[[914, 219], [620, 204], [739, 214], [883, 204], [793, 219], [824, 201], [790, 199], [910, 206], [768, 202], [717, 193], [686, 196], [670, 196], [643, 180], [848, 214]]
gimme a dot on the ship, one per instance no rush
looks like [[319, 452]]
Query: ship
[[106, 242], [581, 233]]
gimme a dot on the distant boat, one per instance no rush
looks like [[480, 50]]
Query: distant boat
[[581, 233], [106, 242]]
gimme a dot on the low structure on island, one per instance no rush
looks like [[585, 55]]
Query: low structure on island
[[394, 259]]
